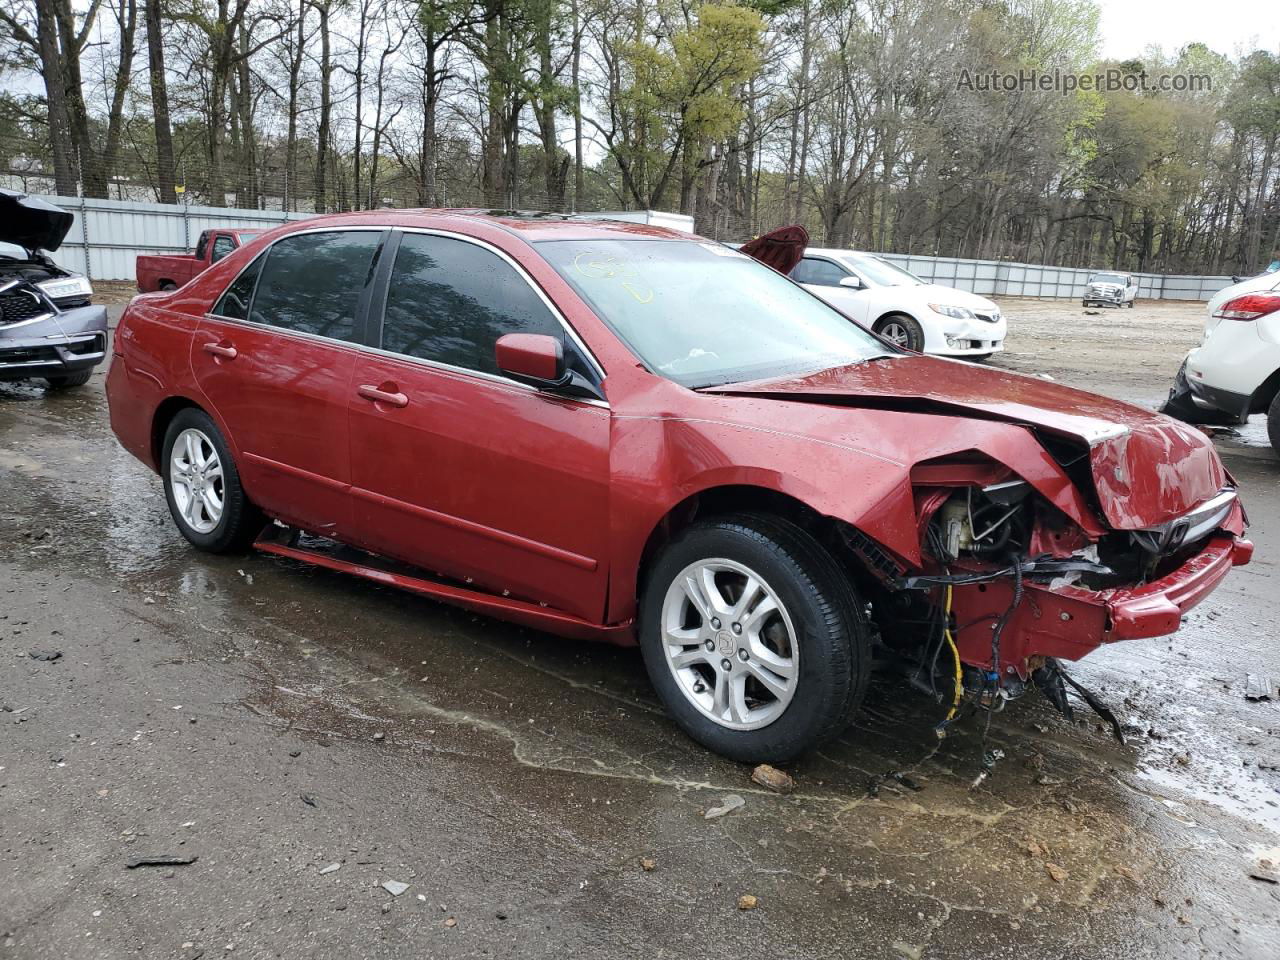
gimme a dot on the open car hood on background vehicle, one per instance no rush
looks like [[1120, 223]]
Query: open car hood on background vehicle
[[1147, 468], [32, 224], [781, 249]]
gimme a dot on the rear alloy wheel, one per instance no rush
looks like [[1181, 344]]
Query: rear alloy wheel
[[753, 638], [202, 486], [902, 331]]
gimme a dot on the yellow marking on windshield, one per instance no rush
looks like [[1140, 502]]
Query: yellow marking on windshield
[[600, 266]]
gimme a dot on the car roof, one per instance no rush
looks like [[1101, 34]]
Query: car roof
[[531, 226], [832, 252]]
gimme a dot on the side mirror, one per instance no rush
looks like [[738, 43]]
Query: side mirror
[[853, 283], [532, 358]]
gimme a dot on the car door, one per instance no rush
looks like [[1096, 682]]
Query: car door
[[459, 469], [275, 358], [823, 277]]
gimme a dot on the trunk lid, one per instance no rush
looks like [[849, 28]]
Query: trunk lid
[[1146, 468]]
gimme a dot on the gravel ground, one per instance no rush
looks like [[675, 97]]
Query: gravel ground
[[272, 721]]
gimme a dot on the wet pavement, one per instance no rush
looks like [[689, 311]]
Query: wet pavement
[[272, 720]]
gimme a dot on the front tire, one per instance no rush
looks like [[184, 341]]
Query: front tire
[[902, 331], [202, 486], [1273, 423], [753, 638], [69, 380]]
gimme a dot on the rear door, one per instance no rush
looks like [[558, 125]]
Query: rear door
[[457, 468], [275, 359]]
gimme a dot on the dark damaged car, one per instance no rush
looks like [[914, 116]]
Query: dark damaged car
[[618, 432], [48, 328]]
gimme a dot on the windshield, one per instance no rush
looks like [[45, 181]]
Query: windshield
[[881, 273], [245, 237], [702, 314], [1108, 278], [12, 251]]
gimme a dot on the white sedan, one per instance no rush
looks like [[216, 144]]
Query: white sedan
[[901, 307]]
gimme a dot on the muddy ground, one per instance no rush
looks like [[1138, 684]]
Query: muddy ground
[[274, 720]]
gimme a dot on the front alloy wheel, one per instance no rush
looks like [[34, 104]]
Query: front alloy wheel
[[730, 644], [753, 636]]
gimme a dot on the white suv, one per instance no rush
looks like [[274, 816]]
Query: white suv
[[1236, 369]]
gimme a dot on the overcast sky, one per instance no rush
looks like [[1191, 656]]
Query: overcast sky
[[1128, 26]]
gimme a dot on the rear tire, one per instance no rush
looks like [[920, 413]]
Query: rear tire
[[69, 380], [167, 285], [902, 330], [1273, 423], [788, 661], [202, 486]]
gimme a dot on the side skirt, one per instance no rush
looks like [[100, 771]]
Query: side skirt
[[284, 542]]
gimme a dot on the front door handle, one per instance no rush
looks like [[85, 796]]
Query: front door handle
[[223, 350], [387, 394]]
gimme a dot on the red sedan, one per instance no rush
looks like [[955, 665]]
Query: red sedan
[[615, 431]]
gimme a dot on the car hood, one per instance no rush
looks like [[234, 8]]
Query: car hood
[[32, 224], [937, 293], [781, 249], [1146, 468]]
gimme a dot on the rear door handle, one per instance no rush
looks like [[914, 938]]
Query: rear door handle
[[223, 350], [387, 394]]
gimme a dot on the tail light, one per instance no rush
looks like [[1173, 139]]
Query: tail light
[[1251, 306]]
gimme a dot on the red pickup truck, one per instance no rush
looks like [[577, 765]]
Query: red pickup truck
[[168, 271]]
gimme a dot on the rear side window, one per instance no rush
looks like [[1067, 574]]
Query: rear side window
[[221, 247], [234, 303], [450, 301], [312, 282], [819, 272]]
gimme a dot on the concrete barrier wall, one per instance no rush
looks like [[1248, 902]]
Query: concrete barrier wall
[[109, 234]]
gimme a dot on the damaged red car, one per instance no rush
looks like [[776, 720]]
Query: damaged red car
[[615, 431]]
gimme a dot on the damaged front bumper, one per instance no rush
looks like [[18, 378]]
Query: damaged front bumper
[[1067, 621]]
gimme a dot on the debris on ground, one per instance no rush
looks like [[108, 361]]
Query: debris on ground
[[648, 865], [450, 922], [330, 868], [771, 778], [728, 805], [1057, 874], [308, 799], [1267, 871], [379, 737], [748, 901], [1036, 849], [1258, 686], [46, 655], [394, 887], [160, 860]]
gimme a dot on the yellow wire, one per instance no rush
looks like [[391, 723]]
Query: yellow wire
[[955, 653]]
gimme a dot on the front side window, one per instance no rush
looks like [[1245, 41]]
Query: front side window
[[221, 247], [701, 314], [819, 272], [312, 282], [450, 300]]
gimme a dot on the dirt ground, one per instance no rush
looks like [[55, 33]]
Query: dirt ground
[[308, 737]]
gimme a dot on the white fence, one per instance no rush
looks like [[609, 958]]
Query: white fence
[[109, 234], [1002, 279]]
